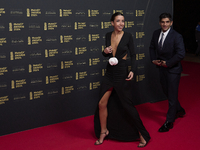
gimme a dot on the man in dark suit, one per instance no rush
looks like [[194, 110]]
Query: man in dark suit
[[166, 51]]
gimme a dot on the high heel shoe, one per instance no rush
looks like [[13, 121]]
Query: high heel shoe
[[98, 141]]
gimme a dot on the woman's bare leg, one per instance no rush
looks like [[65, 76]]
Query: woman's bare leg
[[103, 113]]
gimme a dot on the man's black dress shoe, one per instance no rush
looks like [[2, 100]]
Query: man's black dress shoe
[[180, 113], [166, 126]]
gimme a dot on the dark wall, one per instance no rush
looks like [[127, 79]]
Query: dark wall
[[50, 57], [186, 17]]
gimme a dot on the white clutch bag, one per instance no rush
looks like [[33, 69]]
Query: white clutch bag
[[113, 61]]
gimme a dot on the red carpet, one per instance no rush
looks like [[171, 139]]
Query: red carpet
[[79, 135]]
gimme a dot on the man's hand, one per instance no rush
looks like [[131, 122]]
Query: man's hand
[[164, 63], [157, 62]]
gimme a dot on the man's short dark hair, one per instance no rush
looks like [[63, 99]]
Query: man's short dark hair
[[165, 15]]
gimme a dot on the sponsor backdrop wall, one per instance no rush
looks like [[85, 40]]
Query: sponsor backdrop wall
[[50, 57]]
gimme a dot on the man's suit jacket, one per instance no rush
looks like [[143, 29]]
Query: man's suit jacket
[[173, 50]]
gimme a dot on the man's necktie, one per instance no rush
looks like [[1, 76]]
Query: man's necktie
[[160, 42]]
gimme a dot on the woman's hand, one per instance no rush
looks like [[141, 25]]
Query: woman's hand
[[130, 76], [108, 50]]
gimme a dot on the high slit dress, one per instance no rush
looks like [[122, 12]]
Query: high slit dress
[[123, 121]]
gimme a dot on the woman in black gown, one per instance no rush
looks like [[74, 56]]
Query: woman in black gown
[[116, 117]]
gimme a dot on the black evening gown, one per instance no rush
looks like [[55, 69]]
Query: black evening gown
[[123, 120]]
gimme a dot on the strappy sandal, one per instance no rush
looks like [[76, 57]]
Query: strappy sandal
[[98, 141]]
